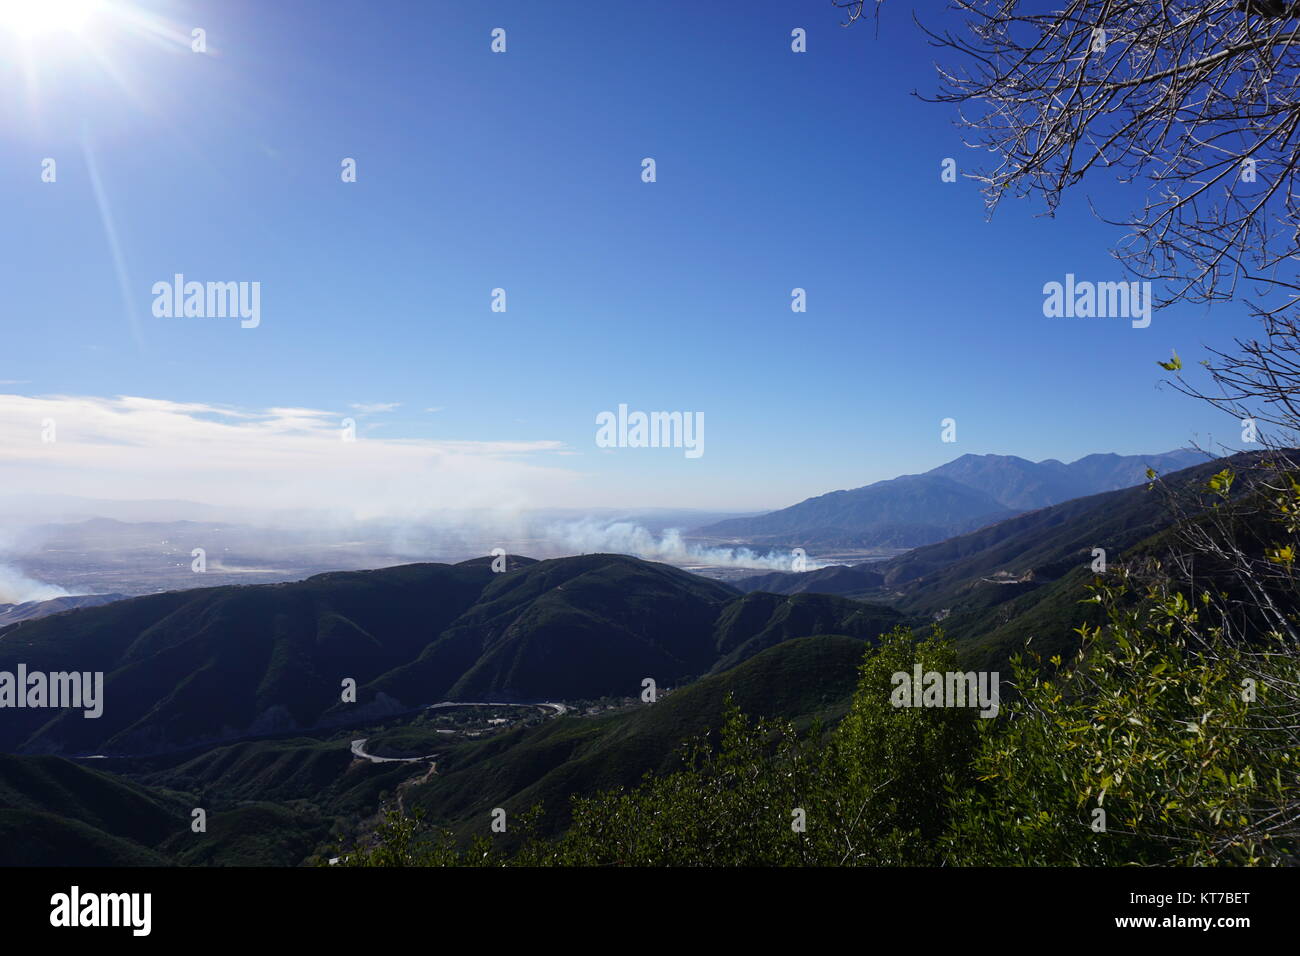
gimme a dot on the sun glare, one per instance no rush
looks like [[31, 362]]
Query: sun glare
[[82, 48], [29, 17]]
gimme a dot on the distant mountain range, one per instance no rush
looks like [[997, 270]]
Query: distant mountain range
[[967, 493], [998, 586]]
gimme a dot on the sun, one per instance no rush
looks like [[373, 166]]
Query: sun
[[30, 17], [52, 49]]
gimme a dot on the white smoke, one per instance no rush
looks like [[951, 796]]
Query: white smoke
[[18, 588], [624, 537]]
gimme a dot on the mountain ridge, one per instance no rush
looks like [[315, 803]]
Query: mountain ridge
[[960, 496], [194, 668]]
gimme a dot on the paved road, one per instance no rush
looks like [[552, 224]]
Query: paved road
[[359, 745], [558, 708], [359, 750]]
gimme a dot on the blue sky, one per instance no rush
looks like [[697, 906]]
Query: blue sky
[[522, 170]]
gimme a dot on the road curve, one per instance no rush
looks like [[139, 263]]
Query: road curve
[[359, 745], [557, 707], [359, 750]]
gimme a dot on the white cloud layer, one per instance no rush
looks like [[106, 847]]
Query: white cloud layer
[[274, 459]]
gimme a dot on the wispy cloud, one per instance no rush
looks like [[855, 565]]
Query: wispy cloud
[[374, 408], [131, 447]]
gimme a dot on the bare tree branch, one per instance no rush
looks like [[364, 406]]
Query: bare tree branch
[[1196, 105]]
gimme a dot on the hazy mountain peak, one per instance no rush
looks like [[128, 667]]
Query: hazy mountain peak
[[956, 497]]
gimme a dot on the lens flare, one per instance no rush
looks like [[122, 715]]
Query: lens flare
[[29, 17]]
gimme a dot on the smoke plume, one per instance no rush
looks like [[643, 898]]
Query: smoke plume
[[622, 537], [18, 588]]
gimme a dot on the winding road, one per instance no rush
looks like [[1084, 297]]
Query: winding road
[[359, 750], [558, 708], [359, 745]]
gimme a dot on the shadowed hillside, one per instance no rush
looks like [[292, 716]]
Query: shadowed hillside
[[203, 666], [800, 679]]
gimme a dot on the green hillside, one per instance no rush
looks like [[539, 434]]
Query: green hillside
[[204, 667], [759, 621], [262, 834], [800, 679], [571, 627], [101, 800], [33, 838], [57, 813]]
